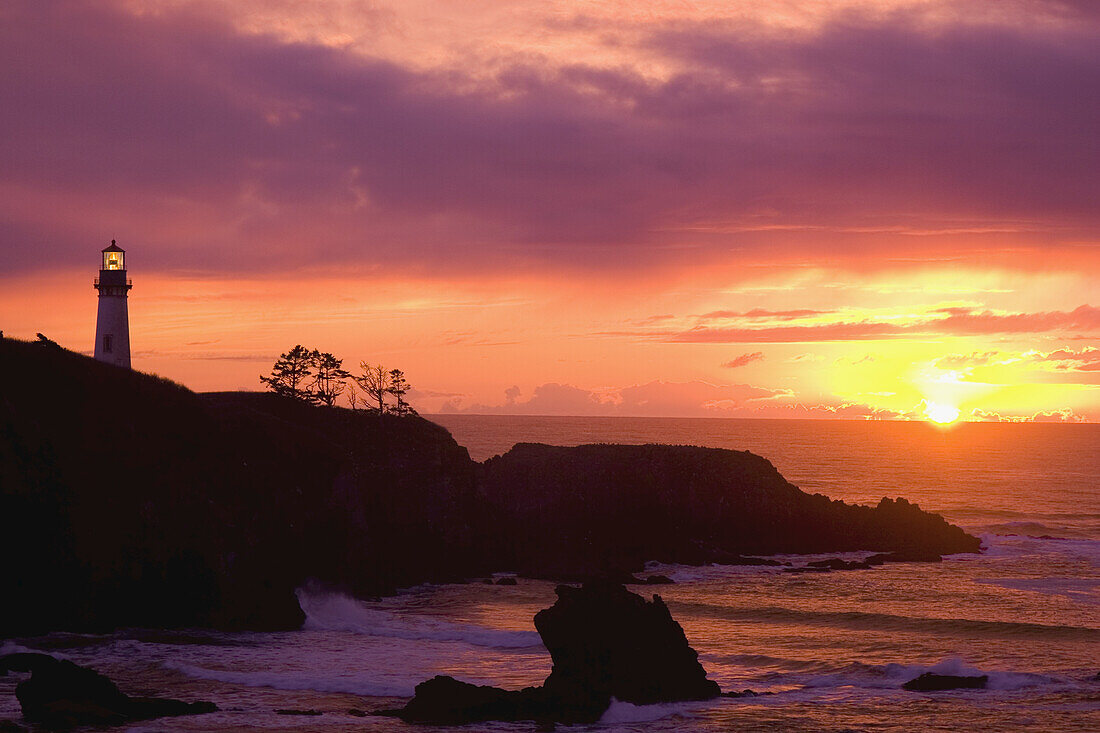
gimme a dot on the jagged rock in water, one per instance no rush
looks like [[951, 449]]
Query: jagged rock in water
[[61, 695], [605, 642], [605, 638], [800, 571], [835, 563], [910, 555], [443, 700], [745, 693], [932, 682]]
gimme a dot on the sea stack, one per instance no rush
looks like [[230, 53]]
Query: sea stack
[[606, 643], [112, 327]]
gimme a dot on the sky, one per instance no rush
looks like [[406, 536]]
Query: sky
[[810, 209]]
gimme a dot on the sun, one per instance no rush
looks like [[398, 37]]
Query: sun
[[941, 413]]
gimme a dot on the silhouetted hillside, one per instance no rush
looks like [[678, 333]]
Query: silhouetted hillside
[[130, 501], [594, 507]]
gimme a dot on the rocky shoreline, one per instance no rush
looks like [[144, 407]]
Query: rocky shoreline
[[606, 644], [60, 695], [208, 511]]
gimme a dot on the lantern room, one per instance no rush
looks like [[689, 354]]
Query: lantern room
[[114, 257], [112, 326]]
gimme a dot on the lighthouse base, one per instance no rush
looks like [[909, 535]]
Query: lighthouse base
[[112, 331]]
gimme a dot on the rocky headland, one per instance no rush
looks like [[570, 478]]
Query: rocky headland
[[60, 695], [605, 642], [593, 510], [132, 501]]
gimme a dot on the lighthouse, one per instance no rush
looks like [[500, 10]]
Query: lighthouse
[[112, 325]]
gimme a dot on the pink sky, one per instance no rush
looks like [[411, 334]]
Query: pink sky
[[811, 209]]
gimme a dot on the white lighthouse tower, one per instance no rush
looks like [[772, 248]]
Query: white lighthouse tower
[[112, 326]]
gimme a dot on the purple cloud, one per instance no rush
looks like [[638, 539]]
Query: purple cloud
[[690, 399], [211, 150], [669, 399]]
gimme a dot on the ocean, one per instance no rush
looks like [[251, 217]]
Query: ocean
[[832, 649]]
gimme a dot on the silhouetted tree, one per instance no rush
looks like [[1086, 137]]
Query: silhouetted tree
[[398, 388], [353, 395], [290, 374], [375, 383], [328, 379]]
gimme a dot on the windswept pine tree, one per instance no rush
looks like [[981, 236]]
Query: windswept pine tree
[[398, 387], [328, 379], [319, 378], [375, 383], [290, 375]]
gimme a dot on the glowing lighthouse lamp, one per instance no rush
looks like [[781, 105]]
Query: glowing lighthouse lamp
[[112, 326]]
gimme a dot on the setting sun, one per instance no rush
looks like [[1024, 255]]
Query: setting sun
[[940, 413]]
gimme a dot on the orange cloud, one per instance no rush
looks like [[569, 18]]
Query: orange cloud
[[1064, 415], [1086, 359], [952, 322], [786, 315], [743, 360]]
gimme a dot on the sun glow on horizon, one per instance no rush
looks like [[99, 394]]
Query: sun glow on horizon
[[542, 220], [940, 413]]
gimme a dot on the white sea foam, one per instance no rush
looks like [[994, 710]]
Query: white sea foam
[[1000, 545], [998, 680], [337, 612], [706, 573], [1082, 590], [624, 712], [10, 647], [355, 683], [893, 676]]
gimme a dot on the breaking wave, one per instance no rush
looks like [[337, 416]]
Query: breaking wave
[[337, 612], [624, 712], [1082, 590], [352, 683], [862, 620], [888, 676]]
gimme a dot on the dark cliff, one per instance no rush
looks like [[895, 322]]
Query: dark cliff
[[598, 507], [130, 501]]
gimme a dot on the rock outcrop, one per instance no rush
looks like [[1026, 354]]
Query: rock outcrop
[[606, 509], [613, 642], [61, 695], [932, 682], [833, 563], [443, 700], [605, 642]]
